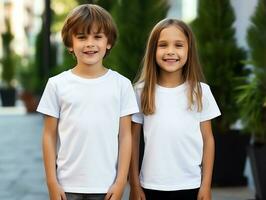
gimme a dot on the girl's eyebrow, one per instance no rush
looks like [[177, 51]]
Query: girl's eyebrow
[[182, 41]]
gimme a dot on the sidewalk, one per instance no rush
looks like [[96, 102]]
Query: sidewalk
[[21, 168]]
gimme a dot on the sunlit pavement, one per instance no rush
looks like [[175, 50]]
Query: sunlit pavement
[[21, 168]]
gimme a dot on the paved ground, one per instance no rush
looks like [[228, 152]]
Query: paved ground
[[21, 169]]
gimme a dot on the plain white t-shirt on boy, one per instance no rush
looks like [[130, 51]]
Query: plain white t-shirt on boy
[[173, 140], [88, 112]]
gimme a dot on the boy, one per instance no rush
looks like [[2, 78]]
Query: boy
[[87, 136]]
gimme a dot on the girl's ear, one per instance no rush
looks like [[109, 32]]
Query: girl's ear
[[108, 46]]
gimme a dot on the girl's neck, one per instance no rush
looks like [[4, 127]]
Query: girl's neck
[[170, 79], [89, 71]]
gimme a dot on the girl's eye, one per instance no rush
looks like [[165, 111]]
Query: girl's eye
[[162, 45], [179, 45]]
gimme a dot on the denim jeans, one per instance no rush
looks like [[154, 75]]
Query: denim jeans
[[79, 196]]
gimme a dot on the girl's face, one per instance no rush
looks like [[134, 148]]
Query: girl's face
[[172, 50], [90, 48]]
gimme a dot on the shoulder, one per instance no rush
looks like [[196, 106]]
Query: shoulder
[[204, 86], [139, 86], [59, 78], [120, 78]]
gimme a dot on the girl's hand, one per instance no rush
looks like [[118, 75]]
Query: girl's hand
[[204, 193], [136, 193], [56, 192], [115, 192]]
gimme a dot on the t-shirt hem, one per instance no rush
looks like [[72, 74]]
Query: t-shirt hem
[[136, 120], [85, 190], [129, 112], [169, 187], [210, 116], [47, 112]]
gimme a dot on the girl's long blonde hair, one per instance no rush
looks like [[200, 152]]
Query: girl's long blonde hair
[[191, 71]]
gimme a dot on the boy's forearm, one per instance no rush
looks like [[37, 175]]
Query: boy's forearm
[[124, 158], [49, 157]]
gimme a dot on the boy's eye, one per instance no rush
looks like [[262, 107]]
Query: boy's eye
[[98, 36], [81, 36]]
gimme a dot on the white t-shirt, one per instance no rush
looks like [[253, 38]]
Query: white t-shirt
[[88, 112], [173, 140]]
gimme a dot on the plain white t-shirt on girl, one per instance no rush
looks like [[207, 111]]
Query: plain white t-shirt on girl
[[88, 112], [173, 140]]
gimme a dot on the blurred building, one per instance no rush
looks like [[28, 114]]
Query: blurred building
[[244, 9]]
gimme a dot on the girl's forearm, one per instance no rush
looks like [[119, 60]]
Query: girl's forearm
[[134, 164], [208, 160]]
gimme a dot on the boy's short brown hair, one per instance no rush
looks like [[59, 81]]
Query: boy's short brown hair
[[83, 18]]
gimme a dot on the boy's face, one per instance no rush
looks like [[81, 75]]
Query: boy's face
[[90, 48]]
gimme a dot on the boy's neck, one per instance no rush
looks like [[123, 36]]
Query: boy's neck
[[89, 71]]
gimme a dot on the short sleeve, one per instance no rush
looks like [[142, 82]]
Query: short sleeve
[[49, 103], [210, 108], [128, 100], [138, 117]]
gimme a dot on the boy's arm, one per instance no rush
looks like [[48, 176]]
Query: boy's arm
[[49, 157], [116, 191], [208, 160], [136, 192]]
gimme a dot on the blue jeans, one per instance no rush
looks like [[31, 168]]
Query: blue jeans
[[79, 196]]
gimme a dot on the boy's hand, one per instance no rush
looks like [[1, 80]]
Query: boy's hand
[[204, 193], [136, 193], [56, 192], [115, 192]]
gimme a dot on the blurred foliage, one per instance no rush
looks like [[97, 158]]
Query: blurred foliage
[[221, 58], [9, 58], [60, 10], [135, 20], [253, 95]]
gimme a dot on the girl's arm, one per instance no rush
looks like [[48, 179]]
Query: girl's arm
[[49, 157], [116, 191], [207, 162], [136, 192]]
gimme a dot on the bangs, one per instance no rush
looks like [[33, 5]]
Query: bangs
[[87, 22]]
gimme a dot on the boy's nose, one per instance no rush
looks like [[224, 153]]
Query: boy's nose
[[90, 42]]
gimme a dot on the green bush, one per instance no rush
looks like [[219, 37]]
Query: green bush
[[220, 57], [253, 94]]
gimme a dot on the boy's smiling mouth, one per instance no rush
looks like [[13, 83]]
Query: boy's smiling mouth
[[90, 52]]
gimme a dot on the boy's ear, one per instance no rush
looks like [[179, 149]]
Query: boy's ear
[[70, 49], [108, 46]]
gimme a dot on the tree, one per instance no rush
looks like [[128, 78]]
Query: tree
[[253, 94], [220, 57], [135, 20], [8, 60]]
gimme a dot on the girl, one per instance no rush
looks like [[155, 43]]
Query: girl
[[175, 112]]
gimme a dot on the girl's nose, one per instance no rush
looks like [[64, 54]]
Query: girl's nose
[[170, 53]]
